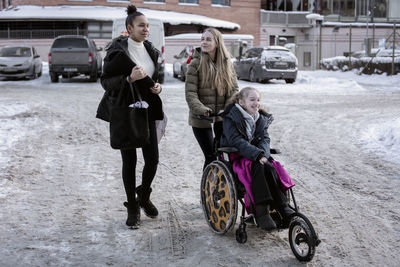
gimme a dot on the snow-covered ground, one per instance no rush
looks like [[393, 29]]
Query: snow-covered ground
[[61, 190]]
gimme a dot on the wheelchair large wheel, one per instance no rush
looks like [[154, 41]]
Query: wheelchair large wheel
[[219, 197], [302, 240]]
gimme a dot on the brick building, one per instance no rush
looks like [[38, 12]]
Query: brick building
[[244, 13]]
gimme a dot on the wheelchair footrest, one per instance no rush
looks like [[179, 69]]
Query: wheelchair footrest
[[251, 219]]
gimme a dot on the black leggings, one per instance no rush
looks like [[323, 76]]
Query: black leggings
[[129, 159], [205, 138], [265, 185]]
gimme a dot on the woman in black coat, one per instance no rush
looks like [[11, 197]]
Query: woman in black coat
[[133, 60]]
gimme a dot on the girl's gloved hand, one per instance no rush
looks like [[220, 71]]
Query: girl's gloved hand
[[263, 160]]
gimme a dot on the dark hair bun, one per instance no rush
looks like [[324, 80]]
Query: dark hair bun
[[131, 9]]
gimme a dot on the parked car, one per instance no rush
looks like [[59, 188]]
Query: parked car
[[20, 61], [260, 64], [180, 64], [72, 55], [388, 53], [362, 53]]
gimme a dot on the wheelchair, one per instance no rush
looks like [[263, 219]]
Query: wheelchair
[[220, 192]]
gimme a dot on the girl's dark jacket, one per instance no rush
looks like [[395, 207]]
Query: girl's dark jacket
[[117, 66], [234, 134]]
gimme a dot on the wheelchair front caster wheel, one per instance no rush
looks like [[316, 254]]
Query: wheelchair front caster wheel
[[302, 241], [241, 236]]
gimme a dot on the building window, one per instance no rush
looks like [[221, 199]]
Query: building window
[[99, 29], [286, 5], [189, 1], [154, 1], [379, 9], [339, 7], [221, 2], [52, 29], [307, 59]]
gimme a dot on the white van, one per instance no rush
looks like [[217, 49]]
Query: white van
[[156, 36]]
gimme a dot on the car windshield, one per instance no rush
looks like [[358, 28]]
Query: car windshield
[[15, 52], [73, 42]]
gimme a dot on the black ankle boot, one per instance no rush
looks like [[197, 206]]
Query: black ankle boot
[[133, 219], [263, 219], [286, 212], [144, 200]]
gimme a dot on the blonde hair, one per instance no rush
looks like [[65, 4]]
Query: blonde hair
[[242, 94], [221, 73]]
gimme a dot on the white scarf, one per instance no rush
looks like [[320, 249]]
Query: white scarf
[[250, 122], [140, 56]]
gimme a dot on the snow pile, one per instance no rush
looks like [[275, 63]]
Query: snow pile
[[383, 139], [318, 82], [197, 36], [379, 64]]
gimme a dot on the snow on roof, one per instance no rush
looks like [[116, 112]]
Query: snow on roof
[[107, 13], [198, 36], [357, 24], [314, 16]]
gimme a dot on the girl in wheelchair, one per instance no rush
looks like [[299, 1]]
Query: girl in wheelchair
[[245, 127]]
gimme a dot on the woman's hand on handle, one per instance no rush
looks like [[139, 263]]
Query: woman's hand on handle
[[156, 89], [137, 74]]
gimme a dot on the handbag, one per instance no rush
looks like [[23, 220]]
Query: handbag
[[129, 125], [161, 125]]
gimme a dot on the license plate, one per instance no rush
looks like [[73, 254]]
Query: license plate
[[70, 69], [280, 64]]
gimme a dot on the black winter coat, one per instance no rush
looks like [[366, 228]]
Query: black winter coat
[[234, 134], [117, 66]]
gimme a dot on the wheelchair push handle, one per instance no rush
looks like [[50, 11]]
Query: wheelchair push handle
[[209, 117]]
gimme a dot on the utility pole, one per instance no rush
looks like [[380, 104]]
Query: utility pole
[[350, 48], [394, 45]]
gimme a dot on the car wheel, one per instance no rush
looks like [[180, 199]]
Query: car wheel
[[265, 81], [93, 77], [100, 70], [53, 77], [183, 76], [289, 80], [34, 75], [252, 75]]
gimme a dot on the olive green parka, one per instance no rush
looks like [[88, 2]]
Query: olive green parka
[[203, 99]]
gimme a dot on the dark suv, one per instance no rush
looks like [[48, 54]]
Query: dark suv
[[72, 55]]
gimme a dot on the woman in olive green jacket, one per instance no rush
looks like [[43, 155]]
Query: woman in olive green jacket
[[210, 82]]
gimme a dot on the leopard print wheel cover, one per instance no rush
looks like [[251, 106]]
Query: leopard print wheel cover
[[217, 199]]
